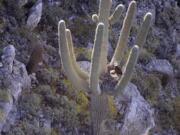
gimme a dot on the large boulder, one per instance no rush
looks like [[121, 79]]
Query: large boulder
[[161, 66], [138, 115]]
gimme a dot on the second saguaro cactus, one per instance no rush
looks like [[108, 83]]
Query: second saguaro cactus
[[80, 79]]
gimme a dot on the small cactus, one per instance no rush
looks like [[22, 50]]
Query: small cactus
[[80, 79]]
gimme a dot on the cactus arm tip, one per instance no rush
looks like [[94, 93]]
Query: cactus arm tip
[[61, 23], [116, 14], [143, 31], [148, 14], [95, 18]]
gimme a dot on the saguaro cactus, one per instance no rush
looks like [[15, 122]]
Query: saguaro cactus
[[80, 79]]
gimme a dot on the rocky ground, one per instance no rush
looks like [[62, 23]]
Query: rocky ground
[[42, 101]]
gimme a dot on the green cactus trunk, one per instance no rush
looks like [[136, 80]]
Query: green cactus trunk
[[99, 112]]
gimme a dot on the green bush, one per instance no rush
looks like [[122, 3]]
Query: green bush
[[148, 84]]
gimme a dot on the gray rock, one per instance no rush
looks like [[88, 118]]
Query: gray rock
[[138, 119], [13, 79], [54, 2], [21, 3], [90, 45], [8, 57], [85, 65], [178, 51], [34, 15], [160, 65]]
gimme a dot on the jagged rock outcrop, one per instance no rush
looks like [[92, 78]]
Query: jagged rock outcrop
[[34, 15], [13, 79]]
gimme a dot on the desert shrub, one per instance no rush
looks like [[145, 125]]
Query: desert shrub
[[43, 90], [31, 103], [176, 113], [14, 10], [5, 96], [86, 53], [145, 56], [148, 84], [51, 15], [16, 131], [2, 115]]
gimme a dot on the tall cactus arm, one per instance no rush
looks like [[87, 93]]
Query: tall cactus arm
[[76, 81], [143, 31], [95, 18], [82, 74], [120, 48], [104, 13], [132, 59], [116, 14], [95, 64]]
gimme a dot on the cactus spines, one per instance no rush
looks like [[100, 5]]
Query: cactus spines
[[95, 64], [77, 82], [80, 80], [143, 31], [123, 38], [132, 59], [116, 14], [82, 74]]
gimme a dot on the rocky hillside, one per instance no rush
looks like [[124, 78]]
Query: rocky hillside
[[36, 98]]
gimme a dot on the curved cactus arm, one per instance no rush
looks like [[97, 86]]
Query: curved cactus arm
[[104, 13], [95, 64], [82, 74], [95, 18], [76, 81], [132, 59], [143, 31], [116, 14], [123, 39]]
